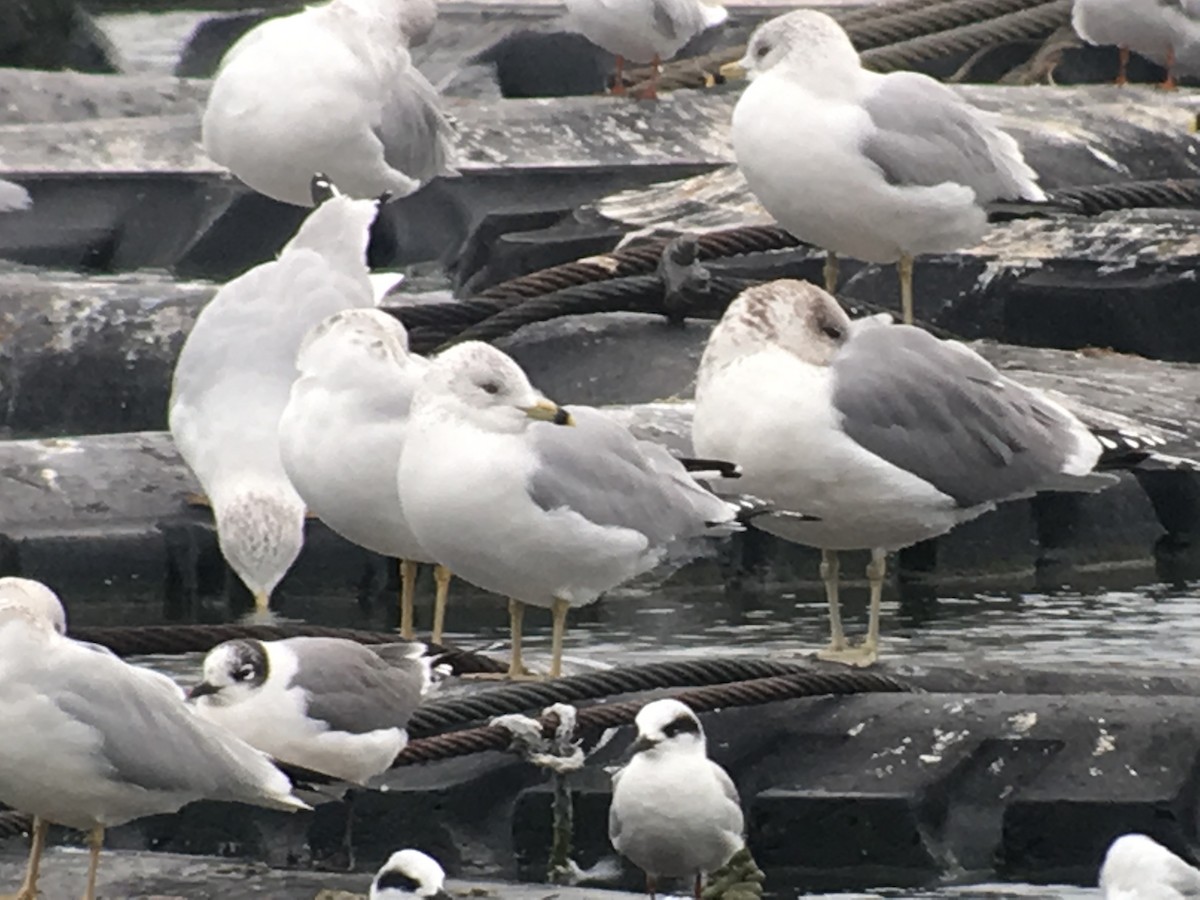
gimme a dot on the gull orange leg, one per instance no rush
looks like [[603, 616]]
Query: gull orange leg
[[1122, 72], [651, 91], [618, 88], [1169, 83]]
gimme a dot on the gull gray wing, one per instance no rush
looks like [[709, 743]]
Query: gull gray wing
[[942, 412], [599, 470], [417, 136], [924, 134], [353, 688]]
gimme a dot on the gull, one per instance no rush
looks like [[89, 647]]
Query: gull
[[409, 873], [642, 31], [882, 434], [675, 813], [1137, 867], [1167, 32], [233, 379], [330, 89], [521, 498], [13, 197], [881, 168], [341, 434], [91, 742], [327, 704]]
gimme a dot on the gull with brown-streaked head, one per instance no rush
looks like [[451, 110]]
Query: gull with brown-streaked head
[[91, 742], [881, 168]]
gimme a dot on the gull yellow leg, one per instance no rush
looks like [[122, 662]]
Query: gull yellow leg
[[262, 601], [559, 630], [516, 619], [441, 577], [905, 268], [408, 587], [876, 569], [95, 844], [830, 569], [830, 272], [28, 889]]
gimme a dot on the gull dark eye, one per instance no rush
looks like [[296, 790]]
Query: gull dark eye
[[762, 50], [832, 332], [491, 387], [244, 673]]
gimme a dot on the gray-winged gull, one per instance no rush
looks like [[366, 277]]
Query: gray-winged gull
[[883, 433], [675, 813], [499, 487], [1166, 32], [234, 375], [327, 704], [642, 31], [91, 742], [881, 168], [341, 434], [1137, 867], [409, 873], [330, 89]]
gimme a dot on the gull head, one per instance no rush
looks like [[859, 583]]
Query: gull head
[[347, 340], [32, 601], [409, 873], [232, 672], [1135, 865], [667, 726], [790, 315], [803, 44], [261, 531], [484, 386]]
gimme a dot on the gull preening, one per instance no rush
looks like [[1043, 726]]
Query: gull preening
[[888, 167], [675, 813], [234, 376], [883, 434], [1166, 32], [330, 89], [545, 507], [341, 434], [91, 742], [642, 31], [327, 704], [1137, 867], [409, 873]]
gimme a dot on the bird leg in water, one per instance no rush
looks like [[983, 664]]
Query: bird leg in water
[[829, 574], [650, 92], [1169, 82], [830, 272], [558, 631], [905, 269], [408, 587], [618, 85], [95, 845], [37, 843], [441, 577], [1123, 68]]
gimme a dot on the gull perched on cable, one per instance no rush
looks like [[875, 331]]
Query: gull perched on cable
[[675, 813], [1137, 867], [409, 873], [341, 434], [882, 434], [330, 89], [326, 704], [881, 168], [520, 497], [235, 373], [1167, 32], [642, 31], [91, 742]]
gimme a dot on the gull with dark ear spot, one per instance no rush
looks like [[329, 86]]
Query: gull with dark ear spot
[[409, 873], [883, 434], [675, 813]]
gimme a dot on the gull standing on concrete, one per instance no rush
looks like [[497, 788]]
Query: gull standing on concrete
[[330, 89], [409, 873], [91, 742], [1137, 867], [327, 704], [675, 813], [642, 31], [884, 434], [341, 434], [522, 498], [881, 168], [234, 376], [1167, 32]]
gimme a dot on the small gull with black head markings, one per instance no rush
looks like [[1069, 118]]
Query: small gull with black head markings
[[675, 813], [327, 704], [520, 497], [888, 167], [91, 742], [1137, 867], [882, 434], [409, 873]]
